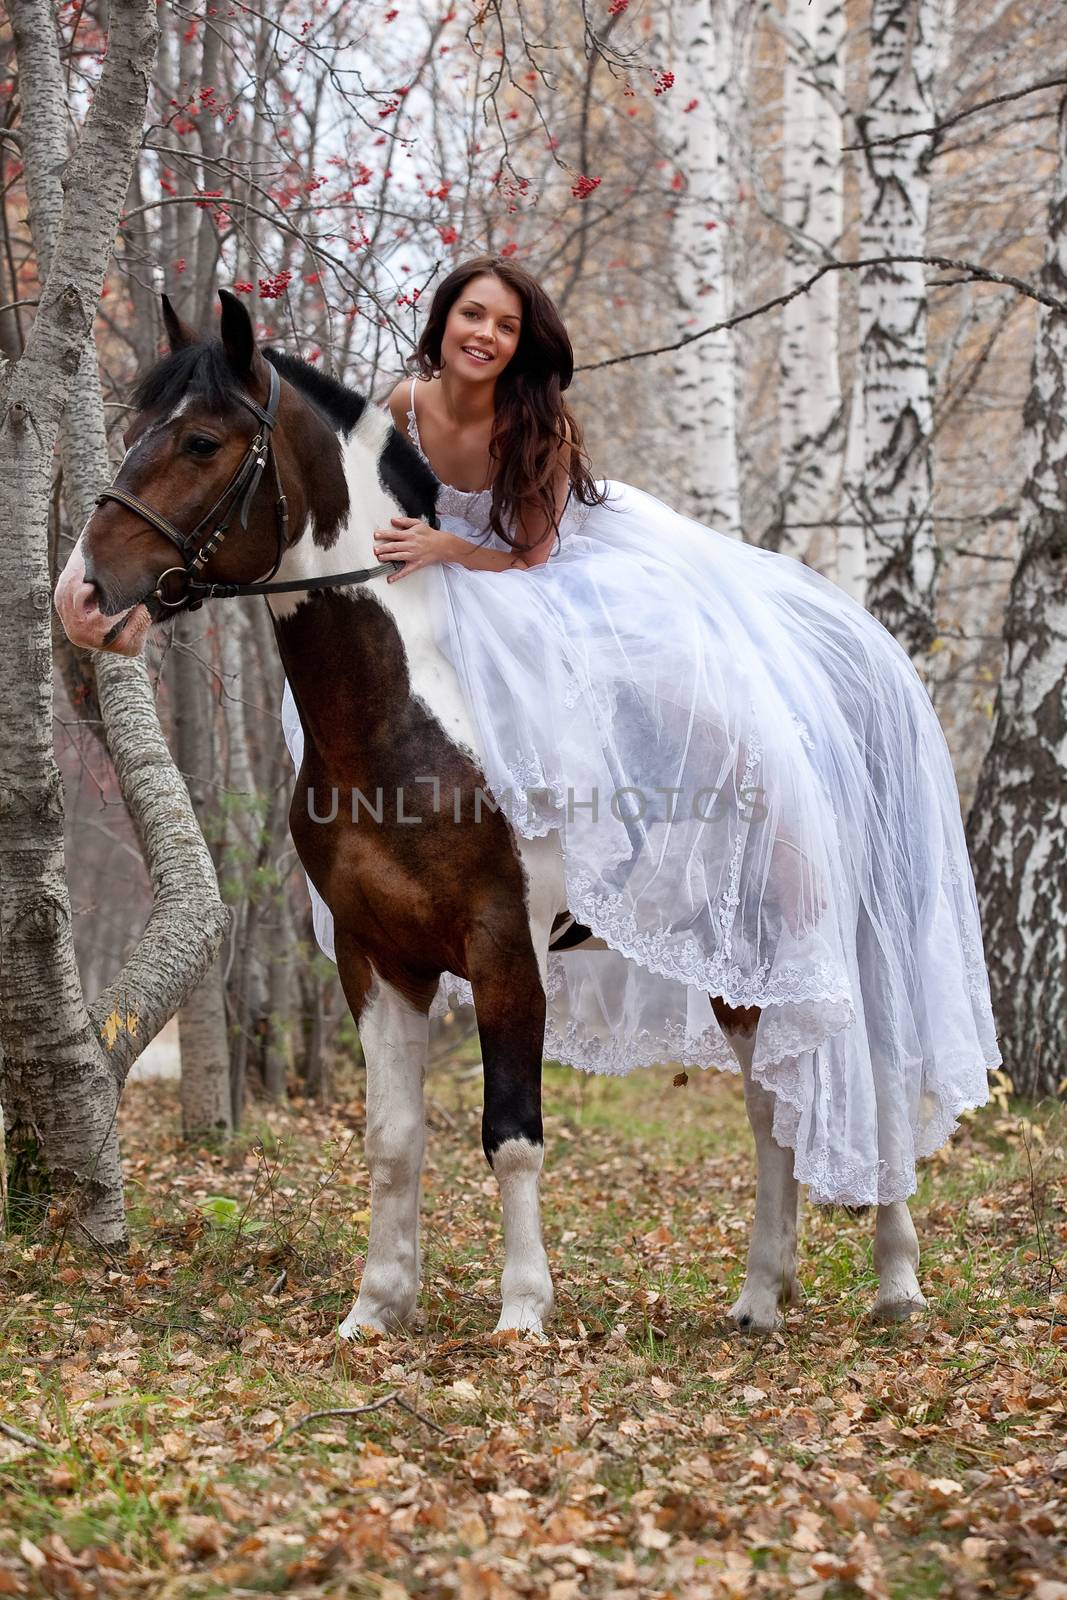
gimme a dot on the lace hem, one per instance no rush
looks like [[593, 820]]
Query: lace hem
[[684, 961], [831, 1180]]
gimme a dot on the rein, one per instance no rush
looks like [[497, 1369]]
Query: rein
[[236, 498]]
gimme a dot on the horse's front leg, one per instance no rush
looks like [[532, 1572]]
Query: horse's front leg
[[394, 1035], [510, 1003], [770, 1276]]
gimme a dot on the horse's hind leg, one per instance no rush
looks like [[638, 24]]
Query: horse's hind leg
[[395, 1036], [896, 1260], [770, 1276]]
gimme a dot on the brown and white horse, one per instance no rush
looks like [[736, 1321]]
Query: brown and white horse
[[245, 470]]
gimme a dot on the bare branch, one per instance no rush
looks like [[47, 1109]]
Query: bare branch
[[959, 116], [971, 272]]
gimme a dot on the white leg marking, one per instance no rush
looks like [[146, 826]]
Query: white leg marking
[[526, 1286], [896, 1260], [394, 1036], [770, 1277]]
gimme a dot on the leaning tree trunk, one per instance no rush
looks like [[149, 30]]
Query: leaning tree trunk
[[810, 411], [699, 112], [61, 1064], [1018, 822], [893, 497]]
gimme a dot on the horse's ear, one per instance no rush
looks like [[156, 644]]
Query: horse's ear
[[179, 333], [238, 335]]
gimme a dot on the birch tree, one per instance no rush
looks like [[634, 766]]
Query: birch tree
[[810, 411], [1018, 823], [707, 47], [893, 496], [62, 1064]]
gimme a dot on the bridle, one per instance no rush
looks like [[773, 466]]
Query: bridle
[[235, 500]]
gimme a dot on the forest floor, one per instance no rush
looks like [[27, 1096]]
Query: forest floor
[[155, 1411]]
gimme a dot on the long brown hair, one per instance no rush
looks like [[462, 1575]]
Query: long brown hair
[[532, 419]]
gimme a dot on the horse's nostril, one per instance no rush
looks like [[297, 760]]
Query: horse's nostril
[[86, 597]]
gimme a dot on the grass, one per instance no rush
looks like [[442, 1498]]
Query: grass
[[644, 1449]]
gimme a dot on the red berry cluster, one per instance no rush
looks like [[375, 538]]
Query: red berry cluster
[[583, 187], [274, 288]]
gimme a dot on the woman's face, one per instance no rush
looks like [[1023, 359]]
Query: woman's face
[[482, 329]]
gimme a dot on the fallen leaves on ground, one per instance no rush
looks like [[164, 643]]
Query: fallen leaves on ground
[[641, 1450]]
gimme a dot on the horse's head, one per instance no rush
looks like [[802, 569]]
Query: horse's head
[[203, 453]]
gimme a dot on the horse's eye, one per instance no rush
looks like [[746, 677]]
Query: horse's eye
[[200, 445]]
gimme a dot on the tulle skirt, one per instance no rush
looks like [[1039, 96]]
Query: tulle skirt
[[755, 800]]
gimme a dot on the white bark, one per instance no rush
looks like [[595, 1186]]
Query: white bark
[[1018, 823], [62, 1066], [894, 495], [810, 410], [706, 53]]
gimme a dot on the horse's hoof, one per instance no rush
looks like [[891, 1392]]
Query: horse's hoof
[[362, 1323], [755, 1313], [898, 1310], [360, 1332], [520, 1319], [757, 1308]]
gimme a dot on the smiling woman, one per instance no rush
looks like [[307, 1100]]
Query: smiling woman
[[494, 361]]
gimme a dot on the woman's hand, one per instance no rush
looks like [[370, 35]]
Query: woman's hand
[[415, 543]]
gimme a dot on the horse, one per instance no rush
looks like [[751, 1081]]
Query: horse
[[274, 476]]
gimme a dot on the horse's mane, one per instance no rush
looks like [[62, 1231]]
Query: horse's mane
[[341, 405], [205, 368]]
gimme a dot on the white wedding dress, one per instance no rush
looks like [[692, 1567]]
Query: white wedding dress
[[776, 821]]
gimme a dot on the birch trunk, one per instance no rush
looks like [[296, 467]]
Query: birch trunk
[[851, 542], [61, 1064], [203, 1037], [705, 47], [241, 842], [203, 1033], [810, 409], [1018, 823], [893, 497]]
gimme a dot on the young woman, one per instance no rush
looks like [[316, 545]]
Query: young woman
[[754, 795]]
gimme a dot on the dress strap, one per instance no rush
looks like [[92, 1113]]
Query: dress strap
[[413, 423]]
